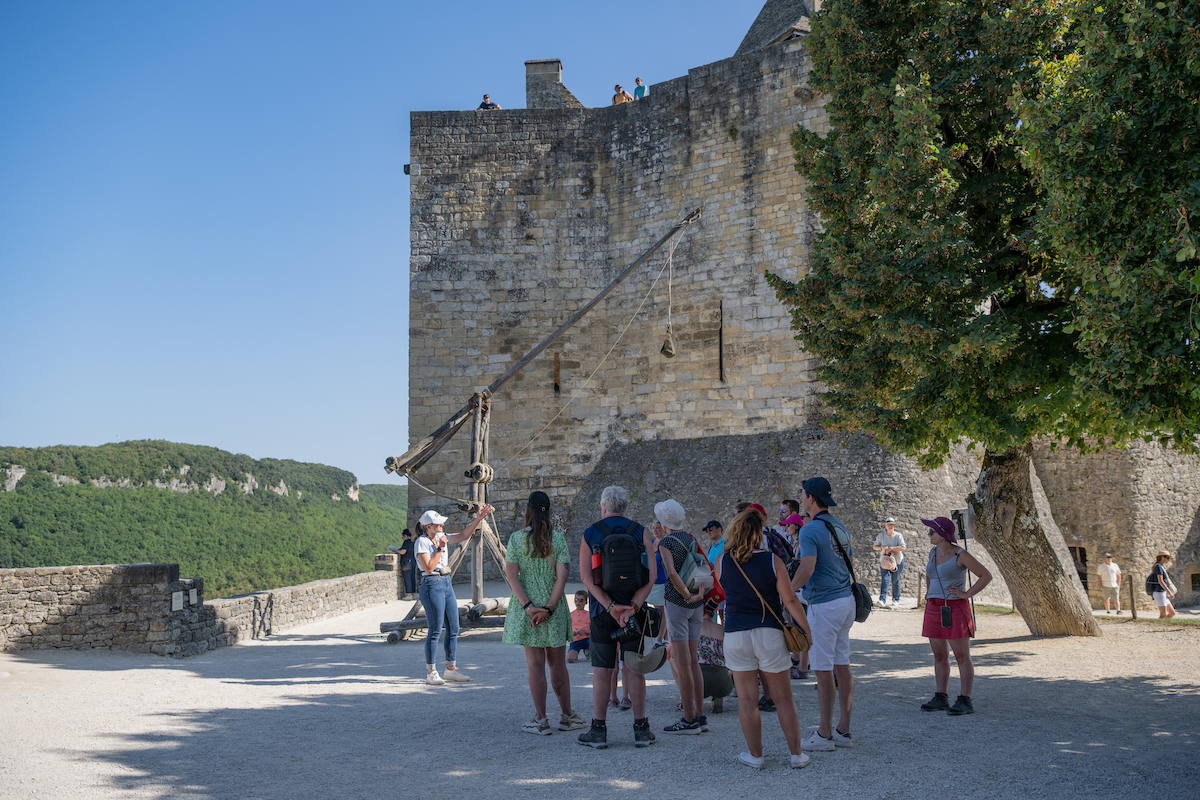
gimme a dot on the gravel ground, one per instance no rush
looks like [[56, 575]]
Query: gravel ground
[[330, 710]]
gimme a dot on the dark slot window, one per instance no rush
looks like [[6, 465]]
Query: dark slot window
[[557, 388], [1079, 554]]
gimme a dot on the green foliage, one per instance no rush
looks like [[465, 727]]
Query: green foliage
[[935, 311], [1113, 136], [237, 542]]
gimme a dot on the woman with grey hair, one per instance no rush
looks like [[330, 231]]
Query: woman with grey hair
[[437, 593], [685, 615]]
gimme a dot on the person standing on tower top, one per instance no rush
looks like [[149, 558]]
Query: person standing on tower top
[[621, 96], [640, 92], [488, 105]]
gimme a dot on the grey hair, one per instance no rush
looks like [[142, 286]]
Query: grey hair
[[614, 499]]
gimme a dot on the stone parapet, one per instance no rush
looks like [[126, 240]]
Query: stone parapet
[[148, 608]]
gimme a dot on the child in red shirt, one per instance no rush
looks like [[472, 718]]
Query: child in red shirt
[[581, 627]]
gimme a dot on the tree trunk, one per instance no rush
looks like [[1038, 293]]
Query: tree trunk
[[1029, 554]]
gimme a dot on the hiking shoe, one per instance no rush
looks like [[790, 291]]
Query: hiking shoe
[[595, 737], [433, 679], [841, 739], [815, 741], [452, 674], [703, 720], [940, 702], [753, 762], [571, 723], [800, 761], [961, 706], [539, 727], [683, 726], [766, 704], [644, 737]]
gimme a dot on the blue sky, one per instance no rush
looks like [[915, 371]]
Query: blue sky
[[203, 211]]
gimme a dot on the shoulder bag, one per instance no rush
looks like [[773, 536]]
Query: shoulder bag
[[793, 635], [862, 598]]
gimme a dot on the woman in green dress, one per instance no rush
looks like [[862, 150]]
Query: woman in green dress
[[536, 567]]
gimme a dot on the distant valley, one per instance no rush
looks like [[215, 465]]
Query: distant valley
[[242, 524]]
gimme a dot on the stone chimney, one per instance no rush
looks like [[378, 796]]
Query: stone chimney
[[543, 85]]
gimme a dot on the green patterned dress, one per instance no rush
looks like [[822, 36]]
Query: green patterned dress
[[537, 575]]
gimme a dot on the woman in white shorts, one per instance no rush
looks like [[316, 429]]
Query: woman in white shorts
[[752, 577], [1164, 594]]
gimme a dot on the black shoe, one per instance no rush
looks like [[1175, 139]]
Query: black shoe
[[961, 706], [766, 704], [643, 737], [703, 720], [596, 737], [940, 702]]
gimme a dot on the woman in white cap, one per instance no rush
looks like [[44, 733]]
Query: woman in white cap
[[437, 593], [685, 614], [536, 565]]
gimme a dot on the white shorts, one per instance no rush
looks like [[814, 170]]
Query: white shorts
[[1161, 600], [757, 649], [830, 623]]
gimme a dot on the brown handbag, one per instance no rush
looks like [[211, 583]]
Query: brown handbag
[[793, 635]]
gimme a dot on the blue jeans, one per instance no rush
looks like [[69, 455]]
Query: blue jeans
[[894, 577], [410, 580], [437, 596]]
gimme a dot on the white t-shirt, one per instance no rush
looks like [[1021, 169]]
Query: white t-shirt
[[1108, 574], [425, 545], [895, 540]]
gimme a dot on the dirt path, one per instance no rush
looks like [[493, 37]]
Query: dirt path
[[329, 710]]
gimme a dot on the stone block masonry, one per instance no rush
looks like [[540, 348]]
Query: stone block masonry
[[130, 607]]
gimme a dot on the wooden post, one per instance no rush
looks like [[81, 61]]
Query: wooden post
[[479, 481], [1132, 600]]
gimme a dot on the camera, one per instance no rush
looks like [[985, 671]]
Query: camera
[[630, 633]]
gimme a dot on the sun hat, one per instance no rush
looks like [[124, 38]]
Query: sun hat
[[820, 489], [794, 519], [670, 513], [942, 527], [539, 501], [1162, 554], [757, 507], [645, 663], [431, 517], [890, 521]]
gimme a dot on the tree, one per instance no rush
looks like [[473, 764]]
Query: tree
[[1112, 136], [936, 310]]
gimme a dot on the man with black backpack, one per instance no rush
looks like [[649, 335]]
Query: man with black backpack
[[618, 577]]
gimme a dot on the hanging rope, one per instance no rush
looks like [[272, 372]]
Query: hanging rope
[[588, 379]]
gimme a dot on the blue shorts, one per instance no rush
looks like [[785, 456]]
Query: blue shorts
[[581, 644]]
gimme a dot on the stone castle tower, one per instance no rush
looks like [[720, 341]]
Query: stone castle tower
[[520, 216]]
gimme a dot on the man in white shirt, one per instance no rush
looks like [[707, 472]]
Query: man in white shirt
[[1110, 582], [891, 544]]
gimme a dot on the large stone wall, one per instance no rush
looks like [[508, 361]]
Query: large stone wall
[[129, 607], [1132, 502], [520, 216]]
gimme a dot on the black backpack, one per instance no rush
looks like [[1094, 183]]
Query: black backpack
[[622, 568], [1152, 584]]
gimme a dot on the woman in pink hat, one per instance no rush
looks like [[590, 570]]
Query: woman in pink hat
[[949, 623], [437, 593]]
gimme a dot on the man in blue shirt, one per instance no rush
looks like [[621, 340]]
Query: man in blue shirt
[[716, 538], [609, 613], [831, 608]]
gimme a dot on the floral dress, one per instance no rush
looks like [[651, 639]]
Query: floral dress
[[537, 575]]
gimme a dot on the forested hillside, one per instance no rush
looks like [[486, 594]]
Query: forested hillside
[[241, 524]]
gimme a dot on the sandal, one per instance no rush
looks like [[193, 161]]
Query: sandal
[[614, 704], [626, 704]]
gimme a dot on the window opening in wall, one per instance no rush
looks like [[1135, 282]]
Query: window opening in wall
[[557, 387], [721, 340], [1196, 581], [1079, 554]]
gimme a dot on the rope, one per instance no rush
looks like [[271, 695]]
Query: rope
[[587, 380]]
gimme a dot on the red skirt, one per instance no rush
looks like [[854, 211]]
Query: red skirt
[[962, 621]]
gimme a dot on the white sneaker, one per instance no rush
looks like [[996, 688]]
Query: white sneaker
[[452, 674], [816, 742], [881, 603], [841, 739], [433, 679], [800, 761], [571, 723], [753, 762], [538, 727]]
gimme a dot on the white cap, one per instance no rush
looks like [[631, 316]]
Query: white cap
[[670, 513], [431, 517]]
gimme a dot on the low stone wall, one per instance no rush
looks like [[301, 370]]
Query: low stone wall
[[147, 608]]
